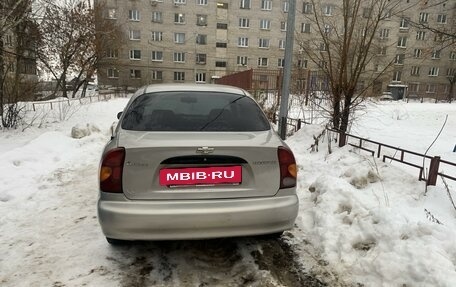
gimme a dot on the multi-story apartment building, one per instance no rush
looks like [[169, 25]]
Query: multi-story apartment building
[[199, 40], [18, 44]]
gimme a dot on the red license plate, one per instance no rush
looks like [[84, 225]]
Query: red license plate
[[201, 175]]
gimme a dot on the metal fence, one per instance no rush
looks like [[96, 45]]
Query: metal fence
[[435, 167], [33, 106]]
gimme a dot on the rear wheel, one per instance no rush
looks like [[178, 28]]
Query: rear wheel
[[113, 241]]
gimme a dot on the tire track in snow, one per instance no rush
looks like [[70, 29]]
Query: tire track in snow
[[79, 255]]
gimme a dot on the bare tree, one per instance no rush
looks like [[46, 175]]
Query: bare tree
[[74, 38], [18, 35], [343, 45]]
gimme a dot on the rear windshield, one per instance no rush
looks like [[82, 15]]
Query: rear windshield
[[194, 111]]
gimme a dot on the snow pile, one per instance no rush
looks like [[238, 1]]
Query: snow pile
[[80, 131], [371, 220]]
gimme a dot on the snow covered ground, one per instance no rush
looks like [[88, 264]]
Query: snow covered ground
[[363, 220]]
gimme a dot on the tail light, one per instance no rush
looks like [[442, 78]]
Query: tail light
[[111, 170], [288, 170]]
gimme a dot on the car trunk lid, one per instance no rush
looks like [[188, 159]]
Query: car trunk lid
[[199, 165]]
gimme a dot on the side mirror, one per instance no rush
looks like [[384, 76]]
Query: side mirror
[[119, 114]]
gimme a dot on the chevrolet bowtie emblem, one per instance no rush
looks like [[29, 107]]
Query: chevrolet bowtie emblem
[[205, 150]]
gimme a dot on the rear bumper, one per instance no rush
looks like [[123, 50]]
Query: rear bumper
[[121, 218]]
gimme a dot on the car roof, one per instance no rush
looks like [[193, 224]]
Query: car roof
[[191, 87]]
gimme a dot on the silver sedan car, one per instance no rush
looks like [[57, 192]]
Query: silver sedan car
[[192, 162]]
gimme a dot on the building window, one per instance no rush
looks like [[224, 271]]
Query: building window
[[244, 23], [387, 15], [156, 75], [135, 74], [451, 72], [302, 63], [220, 45], [201, 20], [201, 2], [135, 35], [323, 47], [179, 76], [283, 26], [280, 62], [111, 13], [442, 18], [399, 59], [285, 6], [435, 54], [222, 26], [263, 62], [263, 43], [420, 35], [157, 56], [157, 36], [430, 88], [222, 5], [11, 67], [179, 2], [201, 39], [327, 10], [133, 15], [266, 5], [179, 38], [179, 18], [413, 87], [135, 54], [9, 40], [404, 24], [220, 64], [113, 73], [242, 60], [281, 44], [179, 57], [327, 29], [201, 59], [200, 77], [424, 17], [417, 53], [305, 27], [245, 4], [402, 42], [415, 71], [382, 50], [322, 64], [397, 76], [157, 17], [112, 53], [307, 8], [243, 42], [265, 24], [433, 71], [384, 33], [452, 55], [438, 37]]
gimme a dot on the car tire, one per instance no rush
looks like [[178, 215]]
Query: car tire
[[113, 241]]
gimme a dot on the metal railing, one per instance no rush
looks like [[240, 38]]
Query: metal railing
[[433, 169], [84, 100]]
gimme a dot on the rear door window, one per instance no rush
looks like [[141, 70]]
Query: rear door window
[[194, 111]]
